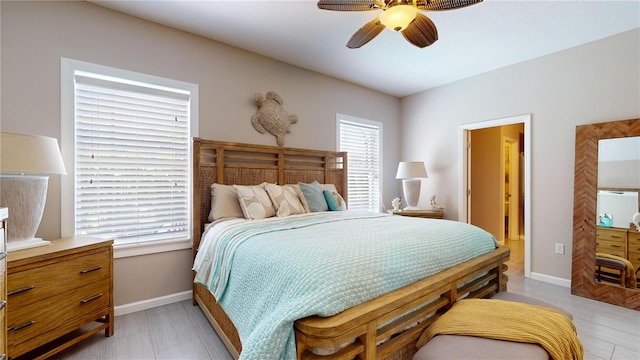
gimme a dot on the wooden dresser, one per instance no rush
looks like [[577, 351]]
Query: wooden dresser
[[4, 214], [56, 289]]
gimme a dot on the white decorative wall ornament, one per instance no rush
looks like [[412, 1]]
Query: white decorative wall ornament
[[272, 117]]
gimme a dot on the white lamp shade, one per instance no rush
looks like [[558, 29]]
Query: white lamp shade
[[29, 154], [411, 170]]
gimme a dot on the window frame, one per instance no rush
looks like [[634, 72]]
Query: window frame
[[68, 69], [370, 123]]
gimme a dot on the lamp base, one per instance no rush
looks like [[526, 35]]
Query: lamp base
[[26, 244], [25, 196], [411, 189]]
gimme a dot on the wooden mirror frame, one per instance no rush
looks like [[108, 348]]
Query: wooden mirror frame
[[585, 190]]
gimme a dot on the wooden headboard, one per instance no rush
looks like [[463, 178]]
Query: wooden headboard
[[246, 164]]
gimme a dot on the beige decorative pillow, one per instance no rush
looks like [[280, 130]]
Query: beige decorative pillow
[[285, 199], [224, 203], [255, 202], [303, 199]]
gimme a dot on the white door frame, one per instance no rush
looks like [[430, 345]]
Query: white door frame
[[463, 181]]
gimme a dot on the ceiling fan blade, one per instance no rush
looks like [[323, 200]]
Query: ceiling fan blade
[[350, 5], [365, 34], [440, 5], [421, 32]]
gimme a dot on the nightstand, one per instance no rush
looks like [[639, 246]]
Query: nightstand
[[55, 290], [430, 214]]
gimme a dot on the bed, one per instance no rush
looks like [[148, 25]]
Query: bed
[[385, 326]]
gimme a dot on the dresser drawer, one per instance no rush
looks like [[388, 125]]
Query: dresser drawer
[[612, 235], [614, 247], [634, 257], [35, 320], [3, 273], [634, 241], [28, 286], [3, 333]]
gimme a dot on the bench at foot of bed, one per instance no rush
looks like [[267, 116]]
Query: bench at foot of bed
[[457, 347]]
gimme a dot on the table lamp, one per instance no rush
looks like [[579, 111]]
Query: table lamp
[[25, 163], [411, 173]]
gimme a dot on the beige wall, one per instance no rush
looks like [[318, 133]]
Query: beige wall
[[35, 35], [619, 174], [592, 83]]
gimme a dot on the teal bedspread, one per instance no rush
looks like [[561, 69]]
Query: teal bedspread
[[268, 273]]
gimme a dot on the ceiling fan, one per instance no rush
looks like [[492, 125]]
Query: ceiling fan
[[397, 15]]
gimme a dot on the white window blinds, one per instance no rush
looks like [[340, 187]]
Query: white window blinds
[[361, 141], [131, 160]]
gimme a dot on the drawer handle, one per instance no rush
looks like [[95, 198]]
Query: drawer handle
[[20, 327], [615, 246], [26, 288], [616, 237], [2, 305], [94, 297], [90, 270], [2, 256]]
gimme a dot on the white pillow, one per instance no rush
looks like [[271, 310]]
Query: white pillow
[[285, 199], [329, 187], [224, 202], [255, 202]]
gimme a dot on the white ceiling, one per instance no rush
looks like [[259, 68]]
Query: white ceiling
[[472, 40]]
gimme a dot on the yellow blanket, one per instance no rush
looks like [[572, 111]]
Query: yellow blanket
[[511, 321], [629, 271]]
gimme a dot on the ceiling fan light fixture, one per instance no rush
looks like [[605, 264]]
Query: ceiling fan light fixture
[[398, 17]]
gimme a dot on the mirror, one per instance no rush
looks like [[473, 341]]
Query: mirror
[[616, 207], [589, 178]]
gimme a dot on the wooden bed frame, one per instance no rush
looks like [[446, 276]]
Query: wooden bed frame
[[365, 325]]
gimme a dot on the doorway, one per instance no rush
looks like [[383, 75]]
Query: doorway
[[507, 153], [511, 186]]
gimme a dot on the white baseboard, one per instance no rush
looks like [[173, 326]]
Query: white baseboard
[[151, 303], [551, 279]]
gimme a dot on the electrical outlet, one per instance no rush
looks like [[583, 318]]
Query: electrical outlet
[[560, 249]]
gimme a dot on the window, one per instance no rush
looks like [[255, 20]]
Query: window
[[130, 141], [362, 140]]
